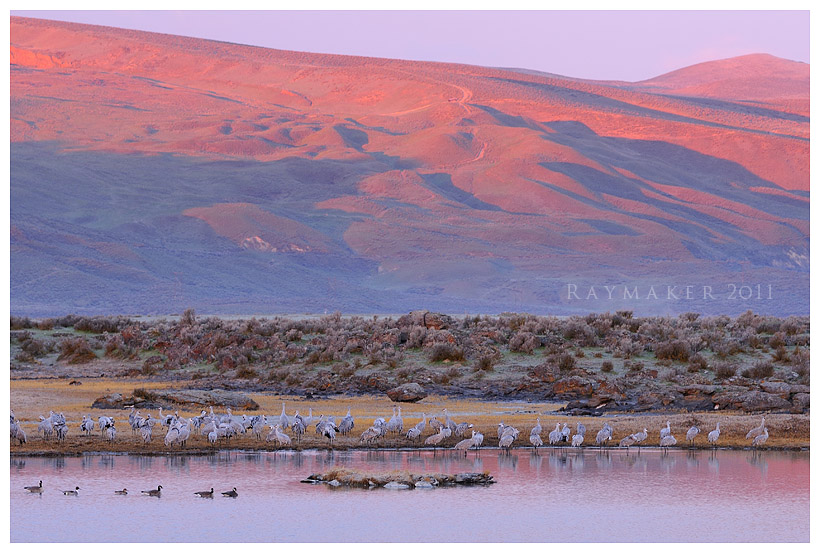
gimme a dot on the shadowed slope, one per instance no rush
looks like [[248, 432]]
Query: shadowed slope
[[171, 171]]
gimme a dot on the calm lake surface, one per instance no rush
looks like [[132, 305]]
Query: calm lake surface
[[555, 496]]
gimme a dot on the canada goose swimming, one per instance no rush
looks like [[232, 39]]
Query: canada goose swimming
[[71, 492], [36, 489], [155, 493], [231, 493], [205, 494], [123, 491]]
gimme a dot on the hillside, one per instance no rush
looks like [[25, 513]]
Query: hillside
[[150, 173]]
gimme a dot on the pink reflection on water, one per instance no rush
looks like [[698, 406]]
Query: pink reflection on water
[[552, 496]]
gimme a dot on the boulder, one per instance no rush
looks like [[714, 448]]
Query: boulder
[[111, 401], [407, 393], [751, 401], [801, 402], [574, 386], [778, 388], [427, 319]]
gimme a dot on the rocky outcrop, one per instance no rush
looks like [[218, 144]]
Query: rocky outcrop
[[111, 401], [428, 319], [409, 393], [752, 400]]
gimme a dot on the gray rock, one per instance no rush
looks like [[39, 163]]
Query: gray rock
[[424, 484], [396, 486], [408, 393], [223, 398], [111, 401], [334, 483]]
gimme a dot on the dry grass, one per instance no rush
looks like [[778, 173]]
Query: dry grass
[[31, 398]]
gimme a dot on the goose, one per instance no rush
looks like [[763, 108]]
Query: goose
[[123, 491], [205, 494], [35, 489], [231, 493], [72, 492], [154, 493], [713, 436]]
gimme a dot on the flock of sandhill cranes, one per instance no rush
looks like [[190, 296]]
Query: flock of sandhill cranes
[[225, 426]]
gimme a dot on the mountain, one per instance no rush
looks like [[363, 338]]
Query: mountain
[[150, 173]]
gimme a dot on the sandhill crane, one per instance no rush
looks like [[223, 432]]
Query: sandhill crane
[[478, 439], [507, 440], [667, 441], [760, 439], [757, 431], [45, 427], [462, 428], [536, 441], [665, 431], [17, 433], [231, 493], [35, 489], [448, 422], [396, 423], [347, 424], [627, 442], [435, 424], [111, 433], [713, 436], [153, 493], [298, 428], [436, 439], [61, 430], [329, 431], [565, 431], [213, 435], [580, 429], [555, 436], [691, 434], [640, 436], [87, 425], [309, 419], [123, 491], [603, 435], [537, 428], [415, 432], [209, 494], [284, 421], [577, 440], [464, 445], [72, 492], [259, 426], [276, 434], [369, 435]]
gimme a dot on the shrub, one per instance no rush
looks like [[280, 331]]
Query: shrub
[[19, 323], [778, 340], [564, 361], [607, 366], [761, 369], [445, 352], [246, 372], [524, 342], [75, 351], [188, 317], [724, 370], [697, 363], [485, 363], [147, 395], [781, 355], [675, 350]]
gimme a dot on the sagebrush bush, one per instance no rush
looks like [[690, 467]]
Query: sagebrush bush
[[607, 366], [761, 369], [724, 370], [675, 350], [445, 352]]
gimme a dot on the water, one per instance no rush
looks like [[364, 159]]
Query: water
[[555, 496]]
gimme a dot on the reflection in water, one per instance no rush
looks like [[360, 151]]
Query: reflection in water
[[654, 488]]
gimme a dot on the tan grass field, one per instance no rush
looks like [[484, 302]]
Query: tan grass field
[[33, 398]]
